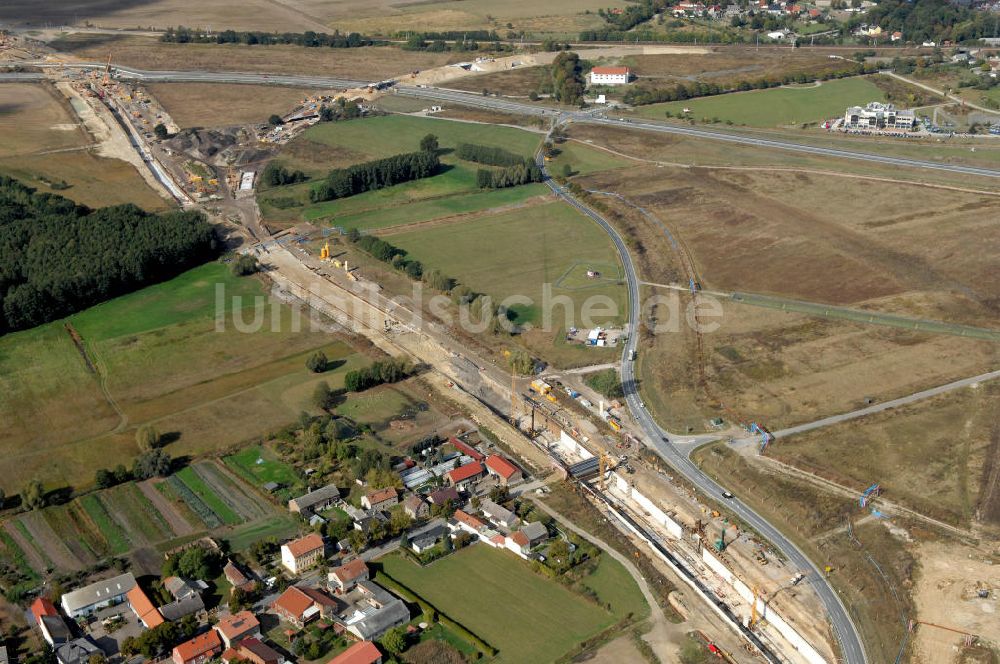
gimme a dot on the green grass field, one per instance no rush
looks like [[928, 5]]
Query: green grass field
[[453, 191], [271, 469], [615, 586], [584, 160], [208, 496], [118, 541], [160, 356], [776, 106], [392, 207], [279, 526], [516, 253], [527, 617]]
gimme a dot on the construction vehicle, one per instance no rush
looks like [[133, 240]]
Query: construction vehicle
[[614, 423], [540, 386], [324, 253], [797, 578], [828, 569], [720, 544], [551, 397]]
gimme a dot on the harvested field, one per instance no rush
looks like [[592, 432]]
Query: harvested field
[[367, 63], [215, 105], [931, 457], [815, 239], [725, 66], [178, 524], [518, 82], [43, 144], [57, 550], [139, 516], [682, 151], [244, 503]]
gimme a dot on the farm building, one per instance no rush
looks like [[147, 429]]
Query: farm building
[[503, 469], [314, 501], [52, 626], [443, 495], [143, 608], [371, 611], [466, 449], [610, 75], [464, 475], [86, 600]]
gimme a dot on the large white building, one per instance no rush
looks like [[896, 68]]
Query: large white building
[[610, 75], [879, 116]]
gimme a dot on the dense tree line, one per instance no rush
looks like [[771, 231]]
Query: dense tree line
[[485, 154], [342, 109], [382, 371], [511, 176], [694, 89], [418, 43], [377, 174], [453, 35], [275, 175], [310, 39], [568, 82], [633, 15], [678, 36], [937, 20], [57, 257]]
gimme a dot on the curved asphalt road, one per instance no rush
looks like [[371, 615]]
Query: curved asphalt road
[[663, 442]]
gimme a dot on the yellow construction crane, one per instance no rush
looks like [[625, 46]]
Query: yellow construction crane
[[604, 464], [754, 618], [324, 253]]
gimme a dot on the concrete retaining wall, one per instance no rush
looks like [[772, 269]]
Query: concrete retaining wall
[[646, 505]]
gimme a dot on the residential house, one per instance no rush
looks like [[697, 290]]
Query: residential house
[[143, 608], [462, 520], [85, 601], [295, 607], [896, 36], [362, 652], [238, 626], [180, 608], [182, 588], [371, 610], [237, 578], [343, 579], [464, 475], [77, 651], [503, 470], [498, 514], [255, 651], [415, 507], [443, 495], [54, 629], [535, 532], [315, 501], [428, 538], [519, 543], [382, 499], [610, 75], [200, 649], [303, 553]]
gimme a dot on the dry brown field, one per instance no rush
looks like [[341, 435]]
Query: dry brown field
[[367, 63], [41, 142], [215, 105]]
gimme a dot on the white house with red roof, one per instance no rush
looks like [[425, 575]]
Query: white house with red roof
[[610, 75], [464, 475], [503, 469], [303, 553]]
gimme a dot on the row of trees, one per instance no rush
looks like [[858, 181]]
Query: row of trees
[[695, 89], [57, 257], [377, 174], [382, 371], [632, 15], [418, 43], [568, 81], [511, 176], [182, 35], [276, 175], [486, 154], [452, 35]]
